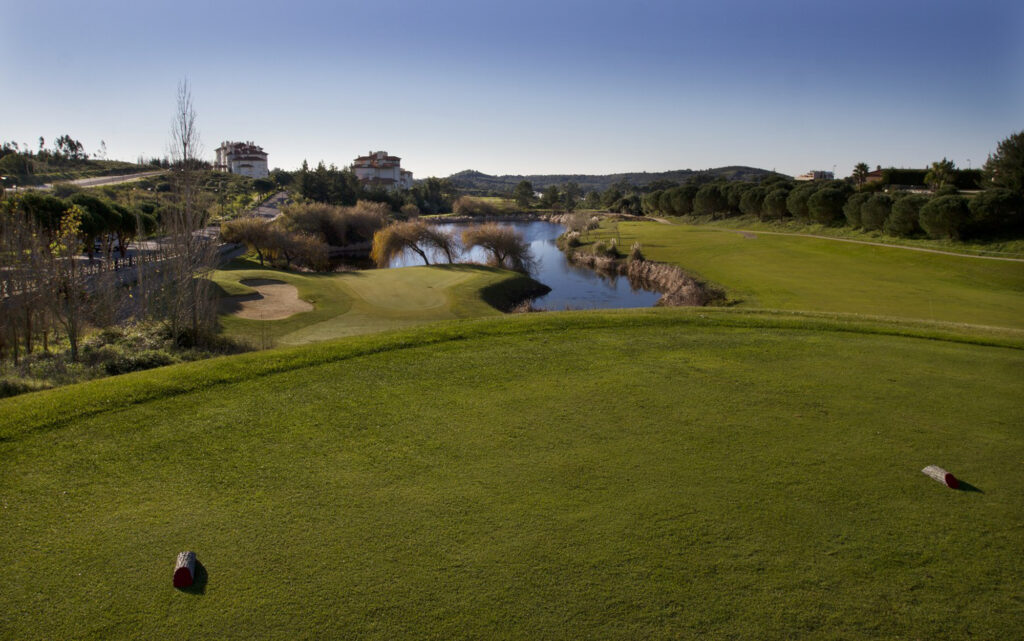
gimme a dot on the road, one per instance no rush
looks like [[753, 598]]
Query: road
[[96, 182]]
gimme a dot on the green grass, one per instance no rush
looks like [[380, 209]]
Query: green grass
[[351, 303], [796, 273], [643, 474], [1002, 247]]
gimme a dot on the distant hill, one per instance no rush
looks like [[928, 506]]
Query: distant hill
[[477, 182]]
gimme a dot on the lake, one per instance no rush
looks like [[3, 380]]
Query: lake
[[571, 287]]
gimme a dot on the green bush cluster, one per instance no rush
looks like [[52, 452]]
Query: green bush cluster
[[945, 213]]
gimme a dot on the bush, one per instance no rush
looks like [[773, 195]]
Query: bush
[[607, 248], [636, 252], [710, 199], [774, 204], [797, 202], [851, 210], [752, 201], [996, 211], [13, 385], [334, 224], [147, 359], [826, 205], [945, 217], [902, 221], [476, 207], [572, 239], [875, 211]]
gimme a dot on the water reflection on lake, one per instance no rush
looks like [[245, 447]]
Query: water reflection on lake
[[571, 287]]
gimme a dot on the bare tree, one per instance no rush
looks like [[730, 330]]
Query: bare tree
[[189, 253]]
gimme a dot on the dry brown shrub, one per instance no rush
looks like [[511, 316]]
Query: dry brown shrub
[[469, 206]]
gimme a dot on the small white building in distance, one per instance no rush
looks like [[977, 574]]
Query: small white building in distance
[[378, 169], [816, 175], [244, 158]]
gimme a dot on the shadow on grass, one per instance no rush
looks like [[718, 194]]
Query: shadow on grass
[[198, 586], [964, 486]]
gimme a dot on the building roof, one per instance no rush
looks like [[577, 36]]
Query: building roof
[[249, 148]]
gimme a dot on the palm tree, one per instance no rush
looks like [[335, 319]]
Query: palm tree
[[860, 173], [940, 173]]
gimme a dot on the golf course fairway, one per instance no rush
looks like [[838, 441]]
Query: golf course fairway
[[652, 474]]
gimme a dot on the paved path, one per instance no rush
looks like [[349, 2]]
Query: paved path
[[271, 207]]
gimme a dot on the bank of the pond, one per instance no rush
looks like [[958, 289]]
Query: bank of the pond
[[572, 286], [677, 288]]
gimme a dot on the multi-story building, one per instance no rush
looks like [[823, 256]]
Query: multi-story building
[[378, 169], [816, 175], [243, 158]]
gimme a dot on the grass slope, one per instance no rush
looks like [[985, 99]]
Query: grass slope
[[796, 273], [649, 474], [362, 302]]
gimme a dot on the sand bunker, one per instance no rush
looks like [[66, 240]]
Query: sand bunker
[[274, 300]]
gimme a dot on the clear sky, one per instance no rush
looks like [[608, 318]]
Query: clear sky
[[553, 86]]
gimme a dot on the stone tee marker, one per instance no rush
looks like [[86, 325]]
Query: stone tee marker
[[942, 476], [185, 570]]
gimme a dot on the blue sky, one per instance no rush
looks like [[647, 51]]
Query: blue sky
[[526, 87]]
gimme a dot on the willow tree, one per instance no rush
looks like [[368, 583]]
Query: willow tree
[[505, 246], [414, 235]]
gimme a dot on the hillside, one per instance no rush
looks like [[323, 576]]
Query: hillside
[[471, 181], [657, 474], [22, 170]]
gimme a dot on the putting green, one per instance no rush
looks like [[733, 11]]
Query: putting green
[[351, 303]]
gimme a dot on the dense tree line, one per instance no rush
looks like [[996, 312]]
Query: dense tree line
[[946, 213], [997, 210], [333, 186]]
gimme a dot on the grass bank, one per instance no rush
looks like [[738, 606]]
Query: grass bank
[[645, 474], [798, 273], [1007, 247]]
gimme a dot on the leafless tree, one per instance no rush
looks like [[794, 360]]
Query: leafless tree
[[189, 253]]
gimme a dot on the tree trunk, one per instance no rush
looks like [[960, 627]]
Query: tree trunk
[[185, 570], [28, 330], [942, 476]]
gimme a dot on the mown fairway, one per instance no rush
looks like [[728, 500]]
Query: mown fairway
[[783, 272], [642, 475], [364, 302]]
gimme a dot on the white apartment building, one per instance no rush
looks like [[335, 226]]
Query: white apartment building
[[378, 169], [244, 158]]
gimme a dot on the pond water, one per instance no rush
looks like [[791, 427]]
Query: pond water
[[571, 287]]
